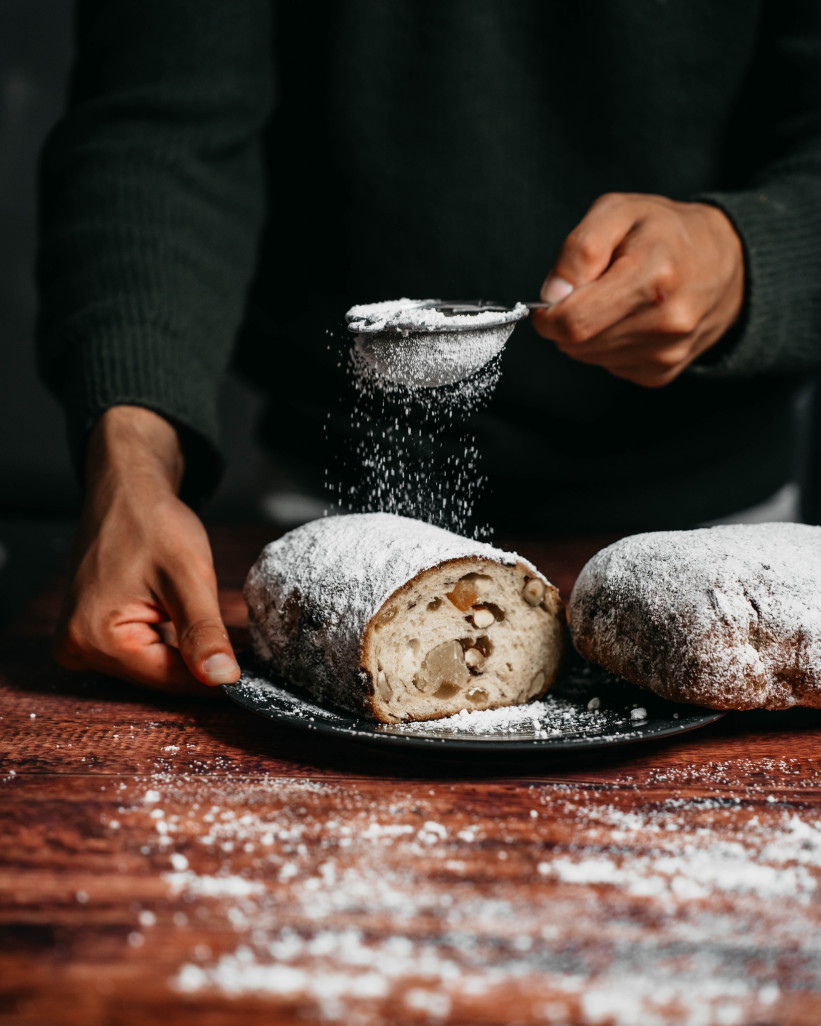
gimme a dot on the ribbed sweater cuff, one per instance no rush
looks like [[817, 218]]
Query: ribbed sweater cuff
[[780, 229], [138, 365]]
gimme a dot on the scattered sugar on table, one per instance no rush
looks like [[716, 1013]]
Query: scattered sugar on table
[[346, 903]]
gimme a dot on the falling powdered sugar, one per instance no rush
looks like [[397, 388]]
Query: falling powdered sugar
[[400, 438]]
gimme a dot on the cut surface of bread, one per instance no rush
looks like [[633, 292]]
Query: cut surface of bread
[[469, 634], [728, 617], [398, 620]]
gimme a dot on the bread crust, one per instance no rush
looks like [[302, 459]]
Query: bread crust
[[315, 618], [726, 617]]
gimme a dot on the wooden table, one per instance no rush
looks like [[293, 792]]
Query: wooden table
[[186, 862]]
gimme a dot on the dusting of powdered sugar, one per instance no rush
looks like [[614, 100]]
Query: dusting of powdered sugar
[[281, 700], [406, 315], [344, 568], [346, 903], [549, 717], [339, 571], [411, 451], [728, 617], [407, 413], [586, 707]]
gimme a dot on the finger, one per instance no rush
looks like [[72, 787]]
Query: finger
[[131, 650], [158, 666], [650, 360], [168, 633], [660, 361], [645, 376], [600, 306], [588, 250], [191, 600], [668, 323]]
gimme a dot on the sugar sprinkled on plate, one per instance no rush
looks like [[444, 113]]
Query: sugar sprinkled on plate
[[566, 714], [547, 717]]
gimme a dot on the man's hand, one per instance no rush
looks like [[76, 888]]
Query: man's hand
[[644, 285], [142, 603]]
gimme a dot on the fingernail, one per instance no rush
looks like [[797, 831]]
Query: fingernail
[[220, 668], [556, 289]]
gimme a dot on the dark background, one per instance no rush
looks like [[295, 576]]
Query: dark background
[[38, 495]]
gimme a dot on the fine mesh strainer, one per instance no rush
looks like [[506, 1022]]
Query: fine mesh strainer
[[432, 342]]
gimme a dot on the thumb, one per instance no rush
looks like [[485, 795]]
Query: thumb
[[588, 250], [202, 637]]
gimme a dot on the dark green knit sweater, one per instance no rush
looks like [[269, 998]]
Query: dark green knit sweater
[[236, 173]]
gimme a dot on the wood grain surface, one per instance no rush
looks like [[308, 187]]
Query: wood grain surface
[[187, 862]]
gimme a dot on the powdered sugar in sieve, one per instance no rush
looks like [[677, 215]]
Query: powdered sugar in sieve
[[429, 342]]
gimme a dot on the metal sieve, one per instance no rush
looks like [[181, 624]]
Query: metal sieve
[[416, 355]]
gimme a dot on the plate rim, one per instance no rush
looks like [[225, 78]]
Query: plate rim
[[362, 731]]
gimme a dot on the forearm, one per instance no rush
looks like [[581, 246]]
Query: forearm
[[775, 203], [780, 228], [134, 447]]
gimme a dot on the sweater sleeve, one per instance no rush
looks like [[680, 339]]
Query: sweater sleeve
[[777, 210], [151, 202]]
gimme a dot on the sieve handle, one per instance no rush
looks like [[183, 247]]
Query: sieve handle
[[455, 306]]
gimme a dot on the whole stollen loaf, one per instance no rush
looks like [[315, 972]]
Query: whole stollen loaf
[[397, 620], [727, 617]]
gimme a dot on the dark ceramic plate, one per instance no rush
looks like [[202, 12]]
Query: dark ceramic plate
[[585, 709]]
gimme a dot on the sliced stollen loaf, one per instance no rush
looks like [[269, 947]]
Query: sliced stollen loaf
[[398, 620], [727, 617]]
